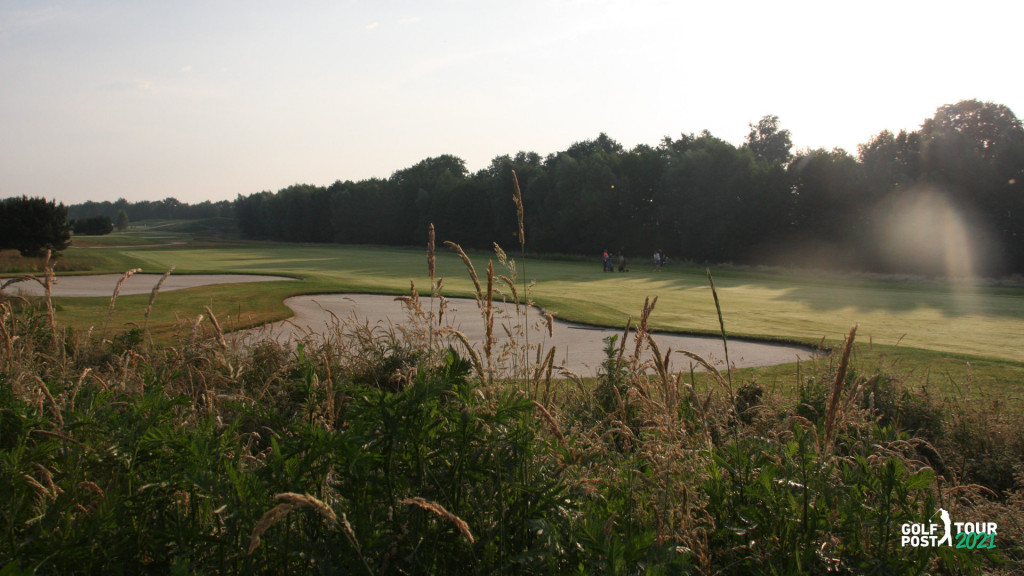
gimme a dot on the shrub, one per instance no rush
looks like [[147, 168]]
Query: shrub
[[93, 226]]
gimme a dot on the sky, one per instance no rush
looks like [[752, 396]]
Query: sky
[[206, 100]]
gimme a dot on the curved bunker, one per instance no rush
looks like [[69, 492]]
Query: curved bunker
[[578, 348]]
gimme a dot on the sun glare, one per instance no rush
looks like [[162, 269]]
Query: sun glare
[[925, 230]]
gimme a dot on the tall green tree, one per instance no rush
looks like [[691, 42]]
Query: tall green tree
[[769, 142], [32, 225], [640, 174], [891, 161], [409, 193], [709, 206], [830, 215], [974, 151], [591, 208], [990, 129], [121, 220]]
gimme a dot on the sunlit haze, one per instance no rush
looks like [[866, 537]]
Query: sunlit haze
[[208, 100]]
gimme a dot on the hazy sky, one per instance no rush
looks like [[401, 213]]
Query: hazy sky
[[207, 99]]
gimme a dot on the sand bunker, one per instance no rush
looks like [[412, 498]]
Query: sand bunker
[[579, 348], [104, 284]]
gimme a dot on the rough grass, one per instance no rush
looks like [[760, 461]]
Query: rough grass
[[122, 239]]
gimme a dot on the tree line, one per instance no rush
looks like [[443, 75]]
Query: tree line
[[166, 209], [907, 202]]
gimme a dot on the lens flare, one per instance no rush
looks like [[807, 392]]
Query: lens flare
[[923, 231]]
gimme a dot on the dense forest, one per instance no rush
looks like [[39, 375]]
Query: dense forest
[[916, 201]]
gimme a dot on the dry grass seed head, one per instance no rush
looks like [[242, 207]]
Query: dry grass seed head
[[431, 260], [48, 478], [216, 326], [156, 289], [346, 527], [488, 312], [308, 501], [473, 355], [4, 333], [469, 268], [270, 518], [553, 424], [412, 302], [512, 286], [500, 254], [289, 501], [54, 408], [661, 365], [35, 484], [90, 487], [622, 342], [195, 327], [12, 281], [117, 288], [642, 330], [442, 306], [78, 386], [715, 374], [442, 512], [50, 280], [518, 199], [545, 366], [837, 388]]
